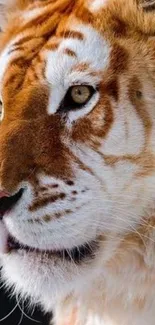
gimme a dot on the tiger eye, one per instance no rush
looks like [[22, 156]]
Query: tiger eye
[[80, 94], [1, 108]]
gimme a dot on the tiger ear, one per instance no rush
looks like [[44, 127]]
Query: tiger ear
[[148, 24], [137, 15], [147, 4]]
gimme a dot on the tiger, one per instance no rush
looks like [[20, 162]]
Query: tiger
[[77, 158]]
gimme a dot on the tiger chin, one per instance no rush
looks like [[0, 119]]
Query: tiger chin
[[77, 158]]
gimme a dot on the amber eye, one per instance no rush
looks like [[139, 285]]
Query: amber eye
[[80, 94], [76, 97]]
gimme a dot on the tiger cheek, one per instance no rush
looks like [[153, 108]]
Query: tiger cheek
[[77, 166]]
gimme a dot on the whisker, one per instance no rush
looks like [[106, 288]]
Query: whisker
[[68, 252], [28, 317], [21, 318], [10, 313]]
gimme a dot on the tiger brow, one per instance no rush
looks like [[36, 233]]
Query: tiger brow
[[72, 34]]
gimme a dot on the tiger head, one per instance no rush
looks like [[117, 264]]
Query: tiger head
[[77, 138]]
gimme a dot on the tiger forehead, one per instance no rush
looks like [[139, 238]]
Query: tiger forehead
[[76, 55], [80, 58]]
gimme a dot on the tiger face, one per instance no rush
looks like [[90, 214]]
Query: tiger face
[[77, 148]]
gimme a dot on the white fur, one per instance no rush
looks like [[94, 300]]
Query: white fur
[[122, 137], [5, 57], [93, 50], [31, 14], [4, 61], [3, 238], [6, 2], [96, 5]]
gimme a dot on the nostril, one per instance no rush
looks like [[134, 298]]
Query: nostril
[[7, 202]]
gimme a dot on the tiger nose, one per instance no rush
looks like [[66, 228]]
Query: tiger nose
[[7, 202], [4, 194]]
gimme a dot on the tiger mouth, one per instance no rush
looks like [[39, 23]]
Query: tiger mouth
[[76, 254]]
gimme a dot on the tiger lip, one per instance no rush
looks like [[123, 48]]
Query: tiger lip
[[8, 243], [76, 254]]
